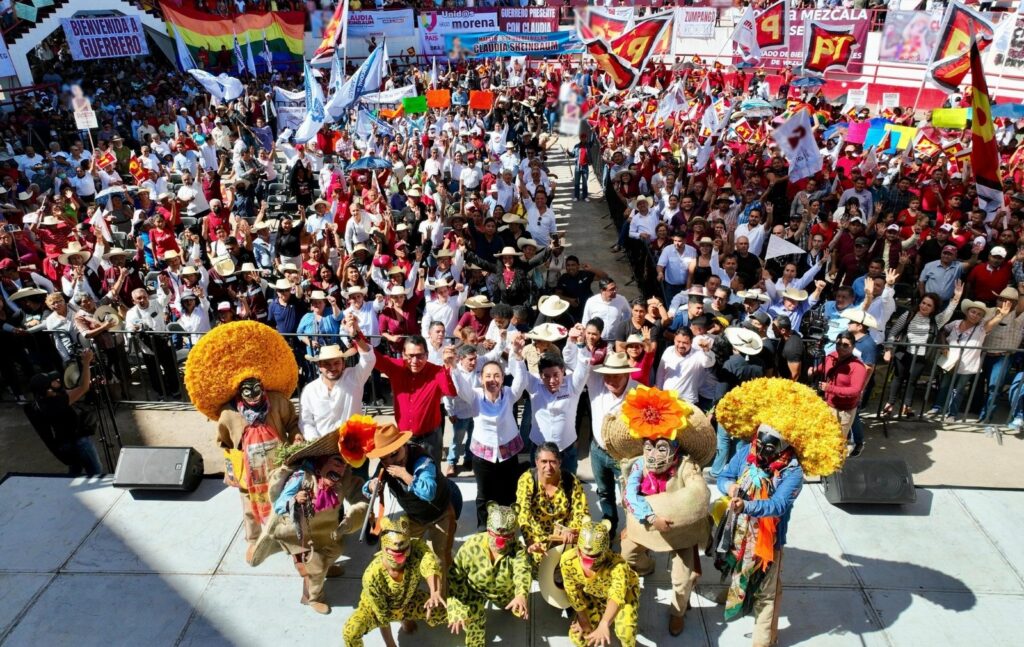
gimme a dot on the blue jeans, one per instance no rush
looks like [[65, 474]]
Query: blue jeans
[[84, 456], [958, 384], [670, 290], [606, 474], [462, 432], [456, 498], [857, 430], [995, 368], [570, 459], [726, 448], [580, 179], [623, 234], [551, 117]]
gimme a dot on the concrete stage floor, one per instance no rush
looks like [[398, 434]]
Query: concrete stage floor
[[82, 563]]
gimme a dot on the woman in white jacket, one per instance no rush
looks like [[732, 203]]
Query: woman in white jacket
[[496, 441]]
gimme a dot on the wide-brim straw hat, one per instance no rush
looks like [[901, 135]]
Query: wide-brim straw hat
[[331, 352], [479, 301], [387, 439], [794, 294], [25, 293], [969, 304], [224, 266], [326, 445], [550, 590], [107, 313], [507, 251], [859, 316], [115, 251], [615, 364], [552, 305], [246, 268], [698, 441], [547, 332]]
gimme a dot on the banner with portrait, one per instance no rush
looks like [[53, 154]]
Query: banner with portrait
[[910, 37]]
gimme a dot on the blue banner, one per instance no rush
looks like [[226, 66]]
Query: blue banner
[[497, 44]]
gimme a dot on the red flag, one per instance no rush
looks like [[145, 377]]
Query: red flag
[[827, 48], [951, 60], [772, 26], [332, 32], [984, 152], [636, 45], [137, 170], [105, 160], [622, 74]]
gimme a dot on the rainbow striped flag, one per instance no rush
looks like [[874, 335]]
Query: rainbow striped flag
[[283, 31]]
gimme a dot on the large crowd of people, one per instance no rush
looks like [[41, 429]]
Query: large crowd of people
[[425, 263]]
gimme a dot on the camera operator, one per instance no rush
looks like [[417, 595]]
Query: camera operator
[[64, 431]]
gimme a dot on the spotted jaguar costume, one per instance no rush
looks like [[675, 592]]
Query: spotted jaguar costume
[[491, 566], [612, 580], [384, 599]]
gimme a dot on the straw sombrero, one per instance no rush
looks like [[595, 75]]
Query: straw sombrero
[[698, 440], [326, 445], [549, 578]]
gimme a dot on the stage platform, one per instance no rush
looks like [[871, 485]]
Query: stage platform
[[82, 563]]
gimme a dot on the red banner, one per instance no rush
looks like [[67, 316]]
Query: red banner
[[622, 75], [637, 44], [792, 53], [984, 151], [951, 60]]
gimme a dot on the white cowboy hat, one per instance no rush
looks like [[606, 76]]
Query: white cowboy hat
[[524, 242], [744, 340], [355, 289], [189, 271], [261, 225], [513, 219], [441, 283], [106, 313], [24, 293], [968, 304], [634, 339], [74, 248], [49, 221], [282, 285], [331, 352], [317, 295], [860, 316], [755, 294], [547, 332], [246, 268], [507, 251], [289, 267], [615, 364], [169, 254], [551, 305], [396, 291]]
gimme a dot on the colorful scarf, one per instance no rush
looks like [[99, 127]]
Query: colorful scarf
[[259, 444], [326, 497], [752, 549]]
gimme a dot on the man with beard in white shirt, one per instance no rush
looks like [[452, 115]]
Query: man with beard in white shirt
[[327, 402], [682, 367], [610, 307]]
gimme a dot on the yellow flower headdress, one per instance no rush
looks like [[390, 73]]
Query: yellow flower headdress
[[234, 352], [652, 414], [794, 409]]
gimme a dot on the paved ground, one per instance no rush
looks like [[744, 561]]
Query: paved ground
[[112, 569]]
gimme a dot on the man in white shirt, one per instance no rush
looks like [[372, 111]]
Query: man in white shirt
[[442, 307], [754, 231], [195, 316], [608, 306], [540, 219], [470, 177], [337, 395], [674, 265], [555, 395], [643, 223], [146, 316], [27, 161], [682, 366]]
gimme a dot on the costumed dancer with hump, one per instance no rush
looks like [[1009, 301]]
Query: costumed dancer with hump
[[787, 431], [309, 491], [665, 495], [241, 374]]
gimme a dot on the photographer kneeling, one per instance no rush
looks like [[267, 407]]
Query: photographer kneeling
[[64, 430]]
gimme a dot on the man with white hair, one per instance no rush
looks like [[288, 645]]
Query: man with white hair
[[643, 223]]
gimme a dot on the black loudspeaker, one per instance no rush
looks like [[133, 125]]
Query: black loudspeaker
[[159, 468], [866, 480]]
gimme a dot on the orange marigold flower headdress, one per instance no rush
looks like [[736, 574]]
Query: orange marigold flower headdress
[[231, 353], [652, 414], [796, 410], [355, 439]]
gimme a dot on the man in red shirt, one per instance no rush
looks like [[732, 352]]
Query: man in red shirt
[[988, 280], [417, 386]]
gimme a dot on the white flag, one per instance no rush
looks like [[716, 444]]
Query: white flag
[[433, 74], [745, 36], [184, 55], [221, 87], [778, 246], [250, 62], [315, 113], [368, 78], [267, 55], [796, 141]]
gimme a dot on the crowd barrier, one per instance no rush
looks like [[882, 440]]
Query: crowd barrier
[[931, 383]]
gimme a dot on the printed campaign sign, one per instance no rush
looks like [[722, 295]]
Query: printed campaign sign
[[105, 37]]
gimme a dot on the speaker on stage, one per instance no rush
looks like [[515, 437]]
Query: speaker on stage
[[871, 480], [159, 468]]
